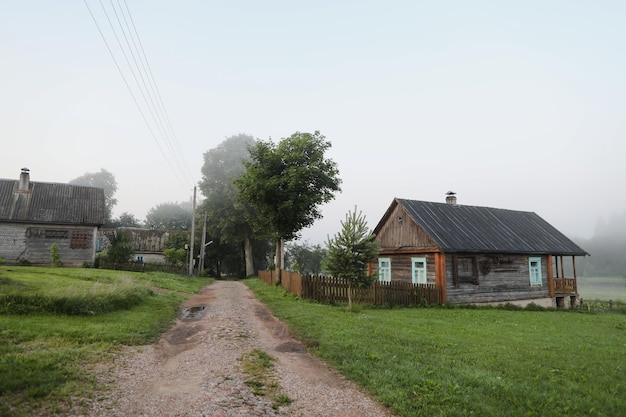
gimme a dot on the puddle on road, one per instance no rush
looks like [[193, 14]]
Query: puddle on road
[[192, 313]]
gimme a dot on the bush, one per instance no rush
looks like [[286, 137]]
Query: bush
[[1, 260], [175, 257], [55, 256], [98, 301], [121, 248]]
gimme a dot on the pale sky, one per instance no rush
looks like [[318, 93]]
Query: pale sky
[[511, 104]]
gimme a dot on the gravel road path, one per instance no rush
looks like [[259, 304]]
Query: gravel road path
[[194, 369]]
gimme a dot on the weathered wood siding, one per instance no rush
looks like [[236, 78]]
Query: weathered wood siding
[[399, 231], [401, 268], [12, 242], [500, 278], [32, 243]]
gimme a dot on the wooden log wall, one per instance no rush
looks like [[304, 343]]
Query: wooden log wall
[[75, 243], [499, 278]]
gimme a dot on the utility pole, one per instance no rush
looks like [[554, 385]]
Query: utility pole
[[202, 248], [193, 231]]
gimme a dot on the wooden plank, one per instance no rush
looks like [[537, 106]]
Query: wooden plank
[[550, 277]]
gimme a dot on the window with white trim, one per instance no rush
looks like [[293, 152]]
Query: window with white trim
[[418, 271], [384, 269], [534, 269]]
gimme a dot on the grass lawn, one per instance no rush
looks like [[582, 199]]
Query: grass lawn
[[468, 362], [56, 322]]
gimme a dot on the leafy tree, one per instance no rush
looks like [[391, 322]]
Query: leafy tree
[[304, 258], [121, 248], [176, 257], [286, 184], [175, 252], [103, 179], [350, 251], [177, 239], [228, 217], [126, 219], [169, 216]]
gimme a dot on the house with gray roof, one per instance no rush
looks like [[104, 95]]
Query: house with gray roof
[[36, 215], [476, 254]]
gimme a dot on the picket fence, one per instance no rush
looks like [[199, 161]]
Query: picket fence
[[327, 289]]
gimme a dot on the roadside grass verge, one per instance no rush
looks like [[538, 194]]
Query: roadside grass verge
[[468, 361], [56, 323]]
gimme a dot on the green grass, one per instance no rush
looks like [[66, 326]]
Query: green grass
[[259, 366], [57, 322], [468, 362]]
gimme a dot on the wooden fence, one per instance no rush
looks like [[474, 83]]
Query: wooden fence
[[335, 290]]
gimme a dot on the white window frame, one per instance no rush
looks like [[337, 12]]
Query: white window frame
[[418, 275], [384, 271]]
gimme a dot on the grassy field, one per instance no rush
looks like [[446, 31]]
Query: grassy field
[[57, 322], [602, 288], [469, 361]]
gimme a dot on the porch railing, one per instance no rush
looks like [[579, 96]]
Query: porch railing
[[565, 285]]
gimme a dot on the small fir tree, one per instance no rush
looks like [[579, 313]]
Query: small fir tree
[[350, 251]]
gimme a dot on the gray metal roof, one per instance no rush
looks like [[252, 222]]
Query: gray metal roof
[[459, 228], [51, 203]]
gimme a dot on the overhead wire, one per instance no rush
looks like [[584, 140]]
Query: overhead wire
[[152, 100], [158, 112], [153, 81]]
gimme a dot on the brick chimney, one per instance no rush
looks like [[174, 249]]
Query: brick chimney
[[451, 198], [24, 180]]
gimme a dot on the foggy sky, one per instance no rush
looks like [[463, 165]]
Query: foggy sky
[[518, 105]]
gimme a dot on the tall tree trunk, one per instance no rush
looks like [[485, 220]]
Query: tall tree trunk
[[350, 294], [247, 246], [279, 260]]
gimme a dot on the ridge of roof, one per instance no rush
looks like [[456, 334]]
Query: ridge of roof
[[51, 203]]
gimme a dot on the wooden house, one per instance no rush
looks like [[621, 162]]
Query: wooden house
[[36, 215], [476, 254], [148, 244]]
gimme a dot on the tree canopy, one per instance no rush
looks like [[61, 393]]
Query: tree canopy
[[125, 219], [102, 179], [287, 183], [227, 216], [169, 216], [304, 258]]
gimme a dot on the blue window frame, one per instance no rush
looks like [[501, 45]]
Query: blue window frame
[[534, 269], [384, 269]]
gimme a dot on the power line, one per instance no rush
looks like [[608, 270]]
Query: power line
[[151, 78], [140, 71]]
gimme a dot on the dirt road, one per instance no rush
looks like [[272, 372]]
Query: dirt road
[[194, 369]]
